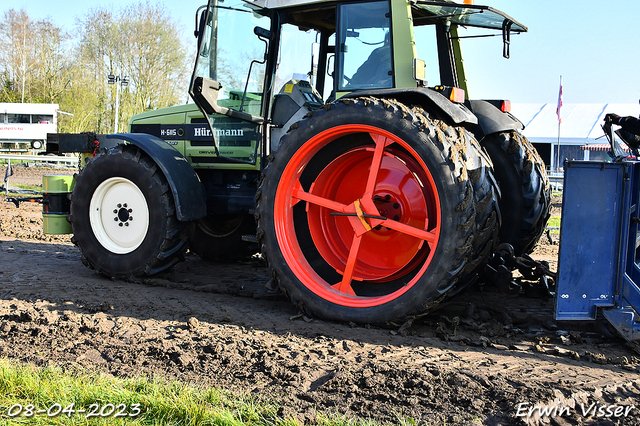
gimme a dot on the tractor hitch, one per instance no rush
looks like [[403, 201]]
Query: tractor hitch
[[19, 200], [536, 279]]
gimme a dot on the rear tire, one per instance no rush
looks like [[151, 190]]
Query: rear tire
[[485, 196], [525, 191], [123, 216], [367, 213]]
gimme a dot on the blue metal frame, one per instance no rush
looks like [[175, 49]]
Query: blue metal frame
[[599, 264]]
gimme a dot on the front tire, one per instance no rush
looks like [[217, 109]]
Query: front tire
[[367, 213], [123, 216]]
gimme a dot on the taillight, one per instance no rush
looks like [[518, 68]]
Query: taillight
[[455, 94], [506, 106]]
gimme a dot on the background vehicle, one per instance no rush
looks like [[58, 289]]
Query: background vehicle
[[373, 194], [25, 126]]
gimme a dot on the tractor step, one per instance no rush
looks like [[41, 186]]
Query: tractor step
[[250, 238]]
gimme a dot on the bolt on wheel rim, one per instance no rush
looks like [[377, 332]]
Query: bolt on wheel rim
[[372, 214], [119, 215]]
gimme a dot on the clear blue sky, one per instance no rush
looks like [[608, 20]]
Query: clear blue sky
[[594, 45]]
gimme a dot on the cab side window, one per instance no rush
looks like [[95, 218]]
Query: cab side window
[[365, 57]]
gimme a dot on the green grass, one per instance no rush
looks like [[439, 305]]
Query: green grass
[[554, 221], [37, 188], [155, 402], [4, 162], [160, 402]]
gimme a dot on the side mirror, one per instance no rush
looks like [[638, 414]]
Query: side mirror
[[200, 23]]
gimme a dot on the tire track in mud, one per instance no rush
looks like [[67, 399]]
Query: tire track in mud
[[476, 358]]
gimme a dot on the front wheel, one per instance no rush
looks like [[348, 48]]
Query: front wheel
[[123, 215], [366, 214]]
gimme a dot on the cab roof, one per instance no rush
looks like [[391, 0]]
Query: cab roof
[[424, 12]]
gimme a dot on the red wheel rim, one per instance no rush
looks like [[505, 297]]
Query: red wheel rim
[[373, 215]]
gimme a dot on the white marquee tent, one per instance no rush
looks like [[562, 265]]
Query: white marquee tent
[[581, 125]]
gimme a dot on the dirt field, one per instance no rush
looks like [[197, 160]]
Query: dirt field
[[484, 358]]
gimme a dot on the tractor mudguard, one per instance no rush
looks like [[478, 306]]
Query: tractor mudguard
[[458, 113], [493, 120], [188, 192]]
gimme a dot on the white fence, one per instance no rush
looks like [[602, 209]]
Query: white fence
[[556, 179], [40, 158]]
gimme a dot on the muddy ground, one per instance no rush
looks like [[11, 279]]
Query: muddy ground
[[484, 358]]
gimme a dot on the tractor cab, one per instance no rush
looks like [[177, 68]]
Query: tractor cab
[[254, 53]]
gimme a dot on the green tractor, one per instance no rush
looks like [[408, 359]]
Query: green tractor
[[339, 137]]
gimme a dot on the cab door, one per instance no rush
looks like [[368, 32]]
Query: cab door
[[229, 84]]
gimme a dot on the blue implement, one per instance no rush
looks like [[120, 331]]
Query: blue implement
[[599, 264]]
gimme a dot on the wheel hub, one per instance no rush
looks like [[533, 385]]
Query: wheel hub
[[384, 252], [388, 207], [123, 214], [111, 217]]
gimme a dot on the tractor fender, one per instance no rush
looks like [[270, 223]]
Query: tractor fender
[[492, 120], [188, 192], [459, 114]]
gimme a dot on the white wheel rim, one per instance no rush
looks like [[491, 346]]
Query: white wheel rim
[[119, 215]]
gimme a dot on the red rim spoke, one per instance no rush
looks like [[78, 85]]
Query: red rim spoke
[[345, 285], [381, 143], [422, 234], [299, 194]]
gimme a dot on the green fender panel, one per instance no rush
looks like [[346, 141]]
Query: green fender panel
[[188, 192]]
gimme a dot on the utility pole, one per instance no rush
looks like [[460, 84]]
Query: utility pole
[[118, 81], [24, 54]]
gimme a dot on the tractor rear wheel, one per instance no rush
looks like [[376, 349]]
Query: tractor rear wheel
[[486, 210], [123, 215], [367, 213], [525, 191]]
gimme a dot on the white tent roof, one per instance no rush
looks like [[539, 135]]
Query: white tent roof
[[580, 122]]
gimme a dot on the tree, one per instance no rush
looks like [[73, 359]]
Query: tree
[[156, 60], [142, 43], [52, 69], [41, 63], [34, 61], [18, 53]]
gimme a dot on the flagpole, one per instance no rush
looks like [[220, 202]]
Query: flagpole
[[558, 112], [558, 156]]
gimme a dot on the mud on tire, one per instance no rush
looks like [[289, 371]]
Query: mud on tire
[[485, 207], [525, 191], [123, 215], [367, 212]]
